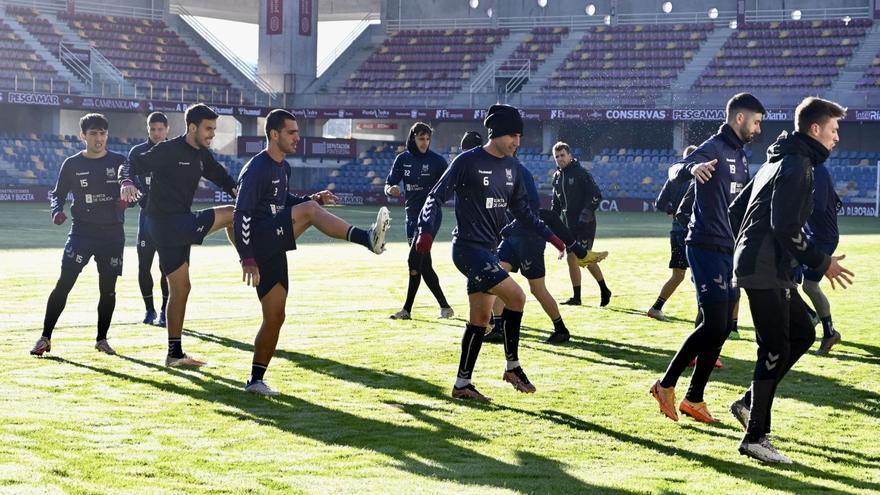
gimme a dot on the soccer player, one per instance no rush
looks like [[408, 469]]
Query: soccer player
[[175, 168], [268, 220], [523, 250], [487, 181], [95, 230], [821, 230], [157, 128], [669, 200], [769, 217], [720, 170], [419, 168], [576, 196]]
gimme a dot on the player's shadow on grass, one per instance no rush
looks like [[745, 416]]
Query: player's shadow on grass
[[771, 477], [736, 372], [642, 313], [873, 350], [734, 434], [430, 450]]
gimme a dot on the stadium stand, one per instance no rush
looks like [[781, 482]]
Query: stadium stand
[[536, 47], [622, 173], [20, 67], [37, 158], [413, 61], [629, 57], [871, 78], [147, 52], [785, 55]]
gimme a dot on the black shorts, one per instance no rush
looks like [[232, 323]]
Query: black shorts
[[678, 256], [175, 234], [106, 249], [525, 254], [272, 238], [481, 266]]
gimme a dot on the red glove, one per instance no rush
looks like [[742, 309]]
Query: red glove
[[121, 204], [557, 243], [423, 243], [59, 218], [248, 262]]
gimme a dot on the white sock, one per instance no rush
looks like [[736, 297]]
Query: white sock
[[462, 382], [512, 364]]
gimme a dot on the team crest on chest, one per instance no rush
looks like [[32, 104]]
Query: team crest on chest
[[509, 173], [111, 172]]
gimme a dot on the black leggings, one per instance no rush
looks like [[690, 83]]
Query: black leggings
[[58, 300], [421, 267], [784, 332], [713, 325], [145, 277]]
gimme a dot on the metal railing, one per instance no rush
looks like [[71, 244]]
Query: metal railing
[[91, 7], [30, 84], [809, 14], [72, 61], [483, 79], [518, 77], [361, 26], [583, 21], [247, 70], [98, 64]]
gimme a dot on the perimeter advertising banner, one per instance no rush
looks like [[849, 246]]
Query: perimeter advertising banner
[[92, 103]]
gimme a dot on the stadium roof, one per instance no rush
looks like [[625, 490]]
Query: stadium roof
[[248, 10]]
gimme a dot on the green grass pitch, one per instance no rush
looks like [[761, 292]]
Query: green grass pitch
[[365, 405]]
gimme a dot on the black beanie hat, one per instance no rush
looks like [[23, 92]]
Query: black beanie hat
[[502, 120], [470, 140]]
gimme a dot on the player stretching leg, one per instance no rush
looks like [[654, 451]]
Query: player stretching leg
[[486, 181], [95, 230], [175, 167], [523, 250], [269, 220]]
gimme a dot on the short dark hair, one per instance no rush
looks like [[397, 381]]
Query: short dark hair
[[813, 110], [157, 118], [420, 128], [199, 112], [275, 120], [93, 121], [560, 146], [744, 102], [687, 151]]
